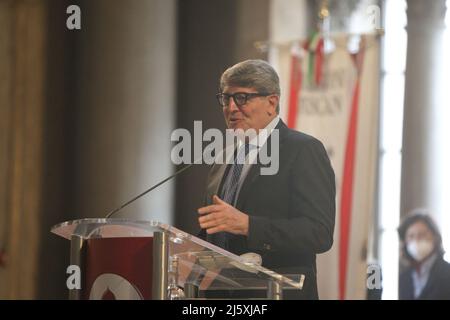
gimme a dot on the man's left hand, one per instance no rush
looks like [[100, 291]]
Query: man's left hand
[[221, 216]]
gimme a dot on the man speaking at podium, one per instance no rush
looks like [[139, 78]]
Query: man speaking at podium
[[286, 217]]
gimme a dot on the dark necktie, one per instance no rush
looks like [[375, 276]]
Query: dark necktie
[[229, 192]]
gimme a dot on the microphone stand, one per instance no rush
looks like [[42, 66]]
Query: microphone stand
[[112, 212]]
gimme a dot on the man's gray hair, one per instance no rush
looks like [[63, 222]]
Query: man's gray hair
[[257, 74]]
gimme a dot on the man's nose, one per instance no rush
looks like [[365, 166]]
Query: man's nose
[[232, 106]]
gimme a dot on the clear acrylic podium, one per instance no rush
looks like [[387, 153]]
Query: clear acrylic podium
[[172, 263]]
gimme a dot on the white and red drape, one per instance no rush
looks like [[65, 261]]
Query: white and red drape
[[335, 97]]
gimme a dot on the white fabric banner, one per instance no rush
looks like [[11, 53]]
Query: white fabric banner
[[325, 112]]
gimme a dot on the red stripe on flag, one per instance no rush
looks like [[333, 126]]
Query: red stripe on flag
[[294, 91], [347, 193]]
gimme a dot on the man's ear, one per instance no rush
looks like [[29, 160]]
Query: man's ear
[[273, 100]]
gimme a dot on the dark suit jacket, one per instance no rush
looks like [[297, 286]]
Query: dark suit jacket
[[291, 213], [437, 287]]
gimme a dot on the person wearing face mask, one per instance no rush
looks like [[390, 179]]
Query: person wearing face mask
[[427, 274]]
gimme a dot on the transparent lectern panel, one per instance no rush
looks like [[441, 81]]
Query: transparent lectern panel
[[106, 228], [212, 268], [197, 261]]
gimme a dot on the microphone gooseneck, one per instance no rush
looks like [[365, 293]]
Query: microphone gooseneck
[[148, 190]]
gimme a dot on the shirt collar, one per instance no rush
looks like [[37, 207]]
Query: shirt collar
[[263, 134]]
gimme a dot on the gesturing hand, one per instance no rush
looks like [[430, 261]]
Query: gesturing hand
[[221, 216]]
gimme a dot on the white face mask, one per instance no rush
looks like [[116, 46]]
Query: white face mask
[[419, 249]]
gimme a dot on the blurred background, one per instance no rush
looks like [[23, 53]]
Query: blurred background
[[86, 115]]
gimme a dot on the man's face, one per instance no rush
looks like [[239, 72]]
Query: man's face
[[255, 114]]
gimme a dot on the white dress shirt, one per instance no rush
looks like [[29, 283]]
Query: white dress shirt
[[255, 144]]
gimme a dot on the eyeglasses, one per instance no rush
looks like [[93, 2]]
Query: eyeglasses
[[240, 98]]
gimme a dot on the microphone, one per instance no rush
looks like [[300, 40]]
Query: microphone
[[112, 212]]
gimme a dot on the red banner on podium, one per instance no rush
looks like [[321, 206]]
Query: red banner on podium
[[119, 269]]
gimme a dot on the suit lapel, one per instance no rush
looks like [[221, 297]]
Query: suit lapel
[[217, 174], [251, 177], [215, 181], [432, 280]]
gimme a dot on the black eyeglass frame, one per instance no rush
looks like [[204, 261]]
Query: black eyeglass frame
[[246, 96]]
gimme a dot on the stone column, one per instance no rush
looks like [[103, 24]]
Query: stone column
[[423, 142]]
